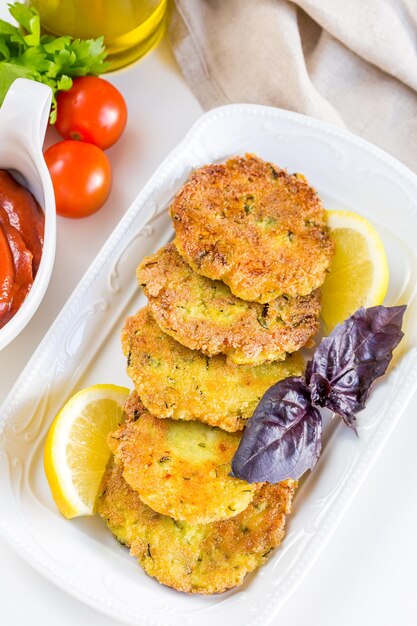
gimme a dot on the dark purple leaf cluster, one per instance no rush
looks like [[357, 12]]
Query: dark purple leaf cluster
[[283, 438]]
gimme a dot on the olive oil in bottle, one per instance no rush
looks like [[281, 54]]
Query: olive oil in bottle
[[130, 27]]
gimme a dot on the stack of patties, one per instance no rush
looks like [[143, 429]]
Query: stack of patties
[[231, 300]]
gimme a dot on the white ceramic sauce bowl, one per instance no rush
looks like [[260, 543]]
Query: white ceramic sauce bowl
[[23, 120]]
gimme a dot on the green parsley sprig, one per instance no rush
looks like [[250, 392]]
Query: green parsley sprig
[[25, 53]]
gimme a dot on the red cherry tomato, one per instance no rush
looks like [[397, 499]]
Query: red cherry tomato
[[93, 111], [81, 177]]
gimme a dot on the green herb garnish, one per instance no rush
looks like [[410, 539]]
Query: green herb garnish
[[25, 53]]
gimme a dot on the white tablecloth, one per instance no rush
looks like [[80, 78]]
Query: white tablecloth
[[368, 572]]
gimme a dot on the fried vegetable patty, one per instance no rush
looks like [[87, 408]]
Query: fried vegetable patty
[[180, 469], [174, 381], [197, 558], [203, 314], [253, 226]]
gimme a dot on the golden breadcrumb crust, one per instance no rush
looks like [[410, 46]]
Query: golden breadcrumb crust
[[196, 558], [203, 314], [174, 381], [253, 226], [180, 469]]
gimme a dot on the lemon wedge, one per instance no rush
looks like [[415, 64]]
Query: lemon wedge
[[76, 451], [359, 272]]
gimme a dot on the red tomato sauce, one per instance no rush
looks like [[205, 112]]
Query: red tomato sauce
[[22, 224]]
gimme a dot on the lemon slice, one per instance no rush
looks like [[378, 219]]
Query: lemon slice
[[359, 272], [76, 451]]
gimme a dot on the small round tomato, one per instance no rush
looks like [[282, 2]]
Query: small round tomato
[[81, 177], [93, 111]]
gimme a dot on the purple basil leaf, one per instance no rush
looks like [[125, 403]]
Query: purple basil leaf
[[346, 363], [283, 437]]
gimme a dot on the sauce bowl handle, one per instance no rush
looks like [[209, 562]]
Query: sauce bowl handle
[[25, 112]]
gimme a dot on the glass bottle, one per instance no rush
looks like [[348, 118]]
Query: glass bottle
[[130, 27]]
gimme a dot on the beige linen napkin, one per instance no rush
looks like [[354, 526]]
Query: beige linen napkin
[[348, 62]]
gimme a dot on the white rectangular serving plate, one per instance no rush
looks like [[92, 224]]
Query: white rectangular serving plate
[[83, 348]]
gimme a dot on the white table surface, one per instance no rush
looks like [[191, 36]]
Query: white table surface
[[368, 572]]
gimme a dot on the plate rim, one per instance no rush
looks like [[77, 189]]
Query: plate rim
[[110, 244]]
